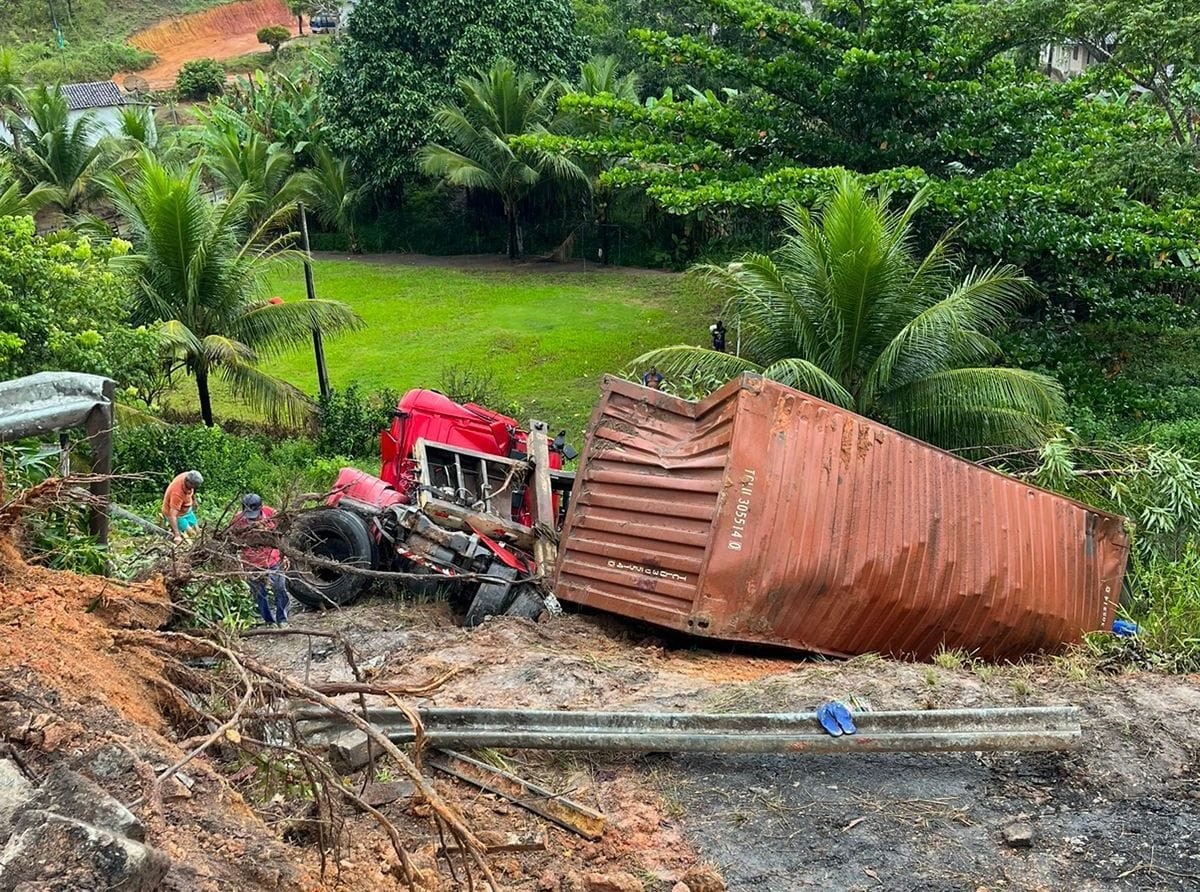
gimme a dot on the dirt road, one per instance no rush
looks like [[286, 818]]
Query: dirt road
[[222, 32], [1122, 813]]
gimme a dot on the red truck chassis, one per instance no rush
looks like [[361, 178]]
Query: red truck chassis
[[456, 499]]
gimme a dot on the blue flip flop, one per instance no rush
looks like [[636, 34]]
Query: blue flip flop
[[828, 720], [842, 715]]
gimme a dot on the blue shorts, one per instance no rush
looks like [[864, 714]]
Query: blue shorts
[[188, 521]]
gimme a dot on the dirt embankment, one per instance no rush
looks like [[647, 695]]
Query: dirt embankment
[[222, 32], [74, 696], [1123, 812]]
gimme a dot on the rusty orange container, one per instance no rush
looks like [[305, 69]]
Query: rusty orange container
[[763, 514]]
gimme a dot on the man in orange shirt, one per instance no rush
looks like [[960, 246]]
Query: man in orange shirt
[[178, 507]]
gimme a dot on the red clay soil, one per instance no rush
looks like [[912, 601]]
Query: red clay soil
[[71, 694], [218, 33], [60, 627]]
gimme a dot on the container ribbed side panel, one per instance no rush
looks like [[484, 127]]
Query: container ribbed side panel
[[765, 514], [644, 503], [851, 537]]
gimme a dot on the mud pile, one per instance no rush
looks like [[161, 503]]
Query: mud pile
[[82, 712]]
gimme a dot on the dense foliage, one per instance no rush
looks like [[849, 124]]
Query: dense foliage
[[400, 59], [64, 306], [200, 79], [846, 310], [493, 109]]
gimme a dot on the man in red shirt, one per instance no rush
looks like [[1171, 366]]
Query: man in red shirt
[[262, 563]]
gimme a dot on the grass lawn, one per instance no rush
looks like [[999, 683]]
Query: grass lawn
[[547, 337]]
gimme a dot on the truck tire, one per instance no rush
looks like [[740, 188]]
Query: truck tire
[[492, 597], [425, 587], [333, 534], [527, 603]]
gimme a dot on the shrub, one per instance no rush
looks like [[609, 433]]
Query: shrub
[[273, 36], [200, 79], [1164, 600], [231, 464], [156, 453], [350, 421], [469, 385]]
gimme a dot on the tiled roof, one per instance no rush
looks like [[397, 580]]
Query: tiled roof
[[93, 95]]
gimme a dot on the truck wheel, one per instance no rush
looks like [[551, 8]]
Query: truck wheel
[[332, 534], [527, 603], [423, 588], [492, 597]]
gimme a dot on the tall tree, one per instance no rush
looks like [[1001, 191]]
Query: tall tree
[[497, 106], [300, 9], [237, 157], [847, 311], [201, 276], [1155, 43], [327, 188], [400, 60]]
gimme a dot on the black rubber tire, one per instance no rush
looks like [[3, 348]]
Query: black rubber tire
[[337, 535], [527, 603], [422, 589], [492, 597]]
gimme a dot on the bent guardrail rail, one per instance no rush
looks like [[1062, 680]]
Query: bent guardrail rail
[[51, 402]]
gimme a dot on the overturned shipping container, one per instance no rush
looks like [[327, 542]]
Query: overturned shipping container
[[763, 514]]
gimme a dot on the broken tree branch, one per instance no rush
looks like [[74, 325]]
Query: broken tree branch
[[465, 838]]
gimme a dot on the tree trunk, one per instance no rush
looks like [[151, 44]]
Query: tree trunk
[[514, 246], [300, 23], [206, 414]]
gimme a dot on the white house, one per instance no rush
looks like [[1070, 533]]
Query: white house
[[1067, 60], [103, 100]]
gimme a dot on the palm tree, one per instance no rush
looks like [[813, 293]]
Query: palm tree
[[15, 200], [326, 187], [598, 76], [498, 105], [200, 274], [64, 155], [238, 156], [846, 310]]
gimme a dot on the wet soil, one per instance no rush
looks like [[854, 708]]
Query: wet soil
[[1123, 812]]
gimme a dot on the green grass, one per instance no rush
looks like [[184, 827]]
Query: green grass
[[546, 337], [93, 34]]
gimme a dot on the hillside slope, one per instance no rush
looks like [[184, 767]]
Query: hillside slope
[[93, 34], [88, 20]]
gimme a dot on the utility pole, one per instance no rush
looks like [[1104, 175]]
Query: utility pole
[[318, 346]]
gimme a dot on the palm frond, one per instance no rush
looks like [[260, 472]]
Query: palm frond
[[811, 378], [977, 407], [219, 349], [264, 393], [935, 339], [277, 328], [685, 361]]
